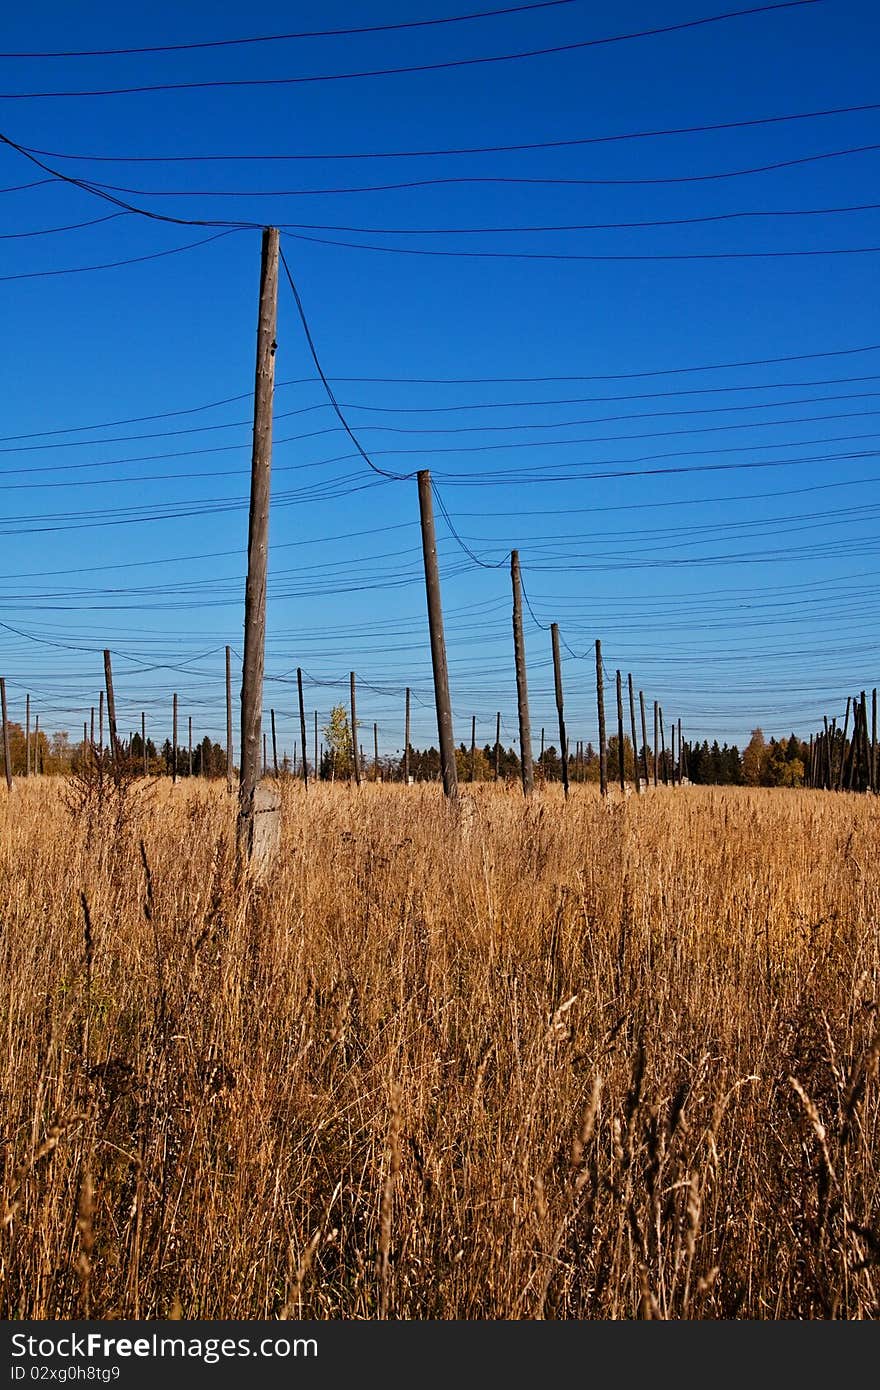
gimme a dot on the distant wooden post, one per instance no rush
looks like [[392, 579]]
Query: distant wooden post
[[840, 770], [27, 736], [144, 739], [635, 741], [92, 730], [274, 743], [111, 709], [875, 771], [100, 724], [497, 744], [680, 755], [258, 550], [174, 738], [829, 765], [644, 737], [522, 687], [663, 762], [305, 751], [355, 761], [302, 728], [656, 750], [7, 756], [541, 757], [438, 642], [473, 772], [600, 701], [406, 742], [866, 747], [190, 747], [557, 684], [621, 759], [229, 754]]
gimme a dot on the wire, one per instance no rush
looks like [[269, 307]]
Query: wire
[[583, 256], [574, 226], [71, 227], [279, 38], [412, 67], [113, 265], [406, 184], [398, 477], [465, 149], [483, 564]]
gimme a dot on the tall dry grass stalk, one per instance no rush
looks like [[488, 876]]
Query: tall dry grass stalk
[[634, 1049]]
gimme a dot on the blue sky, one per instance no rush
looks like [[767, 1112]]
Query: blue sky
[[716, 528]]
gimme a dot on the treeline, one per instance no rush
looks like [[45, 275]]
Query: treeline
[[762, 763]]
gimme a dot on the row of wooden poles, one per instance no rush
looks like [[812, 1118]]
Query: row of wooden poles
[[839, 761]]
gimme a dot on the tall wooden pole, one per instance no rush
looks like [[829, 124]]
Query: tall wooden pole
[[635, 740], [356, 766], [600, 701], [27, 736], [111, 709], [438, 642], [656, 751], [144, 739], [100, 724], [406, 742], [497, 744], [7, 756], [302, 727], [866, 746], [644, 737], [274, 744], [621, 758], [541, 757], [258, 545], [557, 682], [875, 771], [229, 755], [174, 738], [522, 688], [473, 773]]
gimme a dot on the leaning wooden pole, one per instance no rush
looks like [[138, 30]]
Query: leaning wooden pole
[[522, 687], [557, 682], [621, 752], [406, 741], [7, 756], [355, 761], [111, 709], [229, 754], [189, 746], [498, 744], [438, 642], [258, 546], [635, 741], [302, 727], [875, 771], [644, 737], [600, 701]]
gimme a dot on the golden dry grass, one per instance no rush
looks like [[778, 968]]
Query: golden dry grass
[[545, 1061]]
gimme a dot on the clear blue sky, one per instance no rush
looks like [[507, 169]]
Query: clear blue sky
[[740, 591]]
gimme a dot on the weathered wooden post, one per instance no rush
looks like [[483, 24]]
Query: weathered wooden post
[[174, 738], [438, 643], [257, 570], [111, 709], [473, 773], [302, 727], [644, 738], [600, 701], [27, 736], [635, 741], [557, 683], [497, 744], [663, 761], [355, 761], [7, 756], [621, 759], [406, 742], [522, 688]]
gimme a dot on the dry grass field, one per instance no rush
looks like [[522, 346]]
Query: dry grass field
[[588, 1061]]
